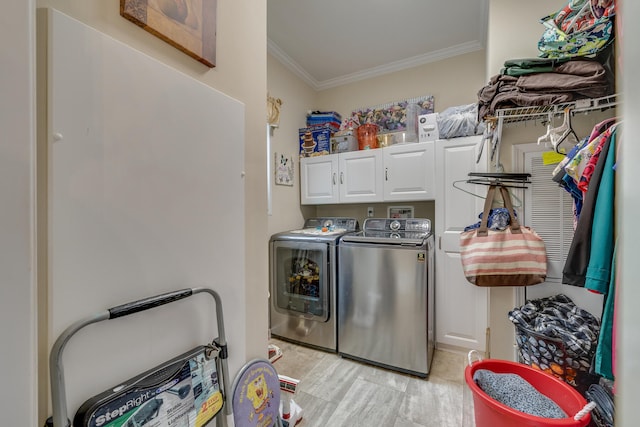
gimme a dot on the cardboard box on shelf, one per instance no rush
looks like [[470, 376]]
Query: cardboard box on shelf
[[344, 142], [319, 117], [428, 127], [315, 141]]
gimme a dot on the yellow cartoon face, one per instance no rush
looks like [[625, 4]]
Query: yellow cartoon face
[[257, 393]]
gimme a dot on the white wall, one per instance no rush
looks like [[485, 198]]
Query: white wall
[[453, 81], [628, 199], [514, 30], [297, 98], [18, 404]]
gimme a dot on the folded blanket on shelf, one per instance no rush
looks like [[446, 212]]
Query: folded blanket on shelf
[[569, 80]]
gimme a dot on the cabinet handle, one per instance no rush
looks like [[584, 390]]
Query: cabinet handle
[[334, 178], [341, 177], [386, 174]]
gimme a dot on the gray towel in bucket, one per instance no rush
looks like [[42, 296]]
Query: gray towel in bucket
[[515, 392]]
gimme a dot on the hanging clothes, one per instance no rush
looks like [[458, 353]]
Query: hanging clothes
[[601, 266], [574, 172], [604, 363], [575, 268], [587, 173], [561, 177], [579, 162]]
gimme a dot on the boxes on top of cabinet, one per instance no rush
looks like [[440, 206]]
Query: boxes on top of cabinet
[[427, 127], [344, 141], [315, 140], [320, 118]]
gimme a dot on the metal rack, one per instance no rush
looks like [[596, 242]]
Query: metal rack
[[543, 113]]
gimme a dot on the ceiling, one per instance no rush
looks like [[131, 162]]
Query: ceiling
[[333, 42]]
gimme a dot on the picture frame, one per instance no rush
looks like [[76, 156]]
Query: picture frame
[[187, 25], [284, 169]]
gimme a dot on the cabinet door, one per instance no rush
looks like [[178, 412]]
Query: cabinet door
[[360, 176], [319, 180], [409, 172], [461, 308]]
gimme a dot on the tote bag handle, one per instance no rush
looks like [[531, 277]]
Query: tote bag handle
[[488, 203]]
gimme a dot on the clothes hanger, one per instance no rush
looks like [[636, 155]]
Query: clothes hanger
[[564, 132], [546, 138], [496, 178], [518, 202]]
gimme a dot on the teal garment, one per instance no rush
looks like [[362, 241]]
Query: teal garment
[[601, 260], [604, 351]]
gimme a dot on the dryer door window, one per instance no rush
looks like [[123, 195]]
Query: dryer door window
[[301, 279]]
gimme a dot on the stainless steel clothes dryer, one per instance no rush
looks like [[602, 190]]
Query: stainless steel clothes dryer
[[303, 278]]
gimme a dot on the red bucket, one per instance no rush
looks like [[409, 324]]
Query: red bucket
[[491, 413]]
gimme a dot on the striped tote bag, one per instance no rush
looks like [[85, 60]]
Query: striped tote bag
[[515, 256]]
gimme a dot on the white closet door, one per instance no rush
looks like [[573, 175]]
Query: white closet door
[[549, 211], [461, 308]]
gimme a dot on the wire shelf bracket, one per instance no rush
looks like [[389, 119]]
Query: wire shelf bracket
[[522, 114]]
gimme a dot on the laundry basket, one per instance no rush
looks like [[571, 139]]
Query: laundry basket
[[552, 356], [491, 413]]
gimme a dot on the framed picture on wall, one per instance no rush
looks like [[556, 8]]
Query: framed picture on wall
[[284, 169], [188, 25]]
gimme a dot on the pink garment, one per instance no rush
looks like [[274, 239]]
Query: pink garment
[[600, 133], [587, 172]]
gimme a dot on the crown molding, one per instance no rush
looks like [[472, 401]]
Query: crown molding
[[290, 64], [391, 67], [404, 64]]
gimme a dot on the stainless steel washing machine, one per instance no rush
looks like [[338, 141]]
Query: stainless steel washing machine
[[303, 280], [386, 296]]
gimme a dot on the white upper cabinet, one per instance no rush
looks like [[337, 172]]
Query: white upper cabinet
[[409, 172], [360, 176], [351, 177], [403, 172], [319, 180]]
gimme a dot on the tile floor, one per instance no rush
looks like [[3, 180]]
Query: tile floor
[[340, 392]]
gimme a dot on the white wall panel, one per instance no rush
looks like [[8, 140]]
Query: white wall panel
[[146, 196]]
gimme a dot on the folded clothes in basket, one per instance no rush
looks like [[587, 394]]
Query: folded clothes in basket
[[558, 317], [515, 392]]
